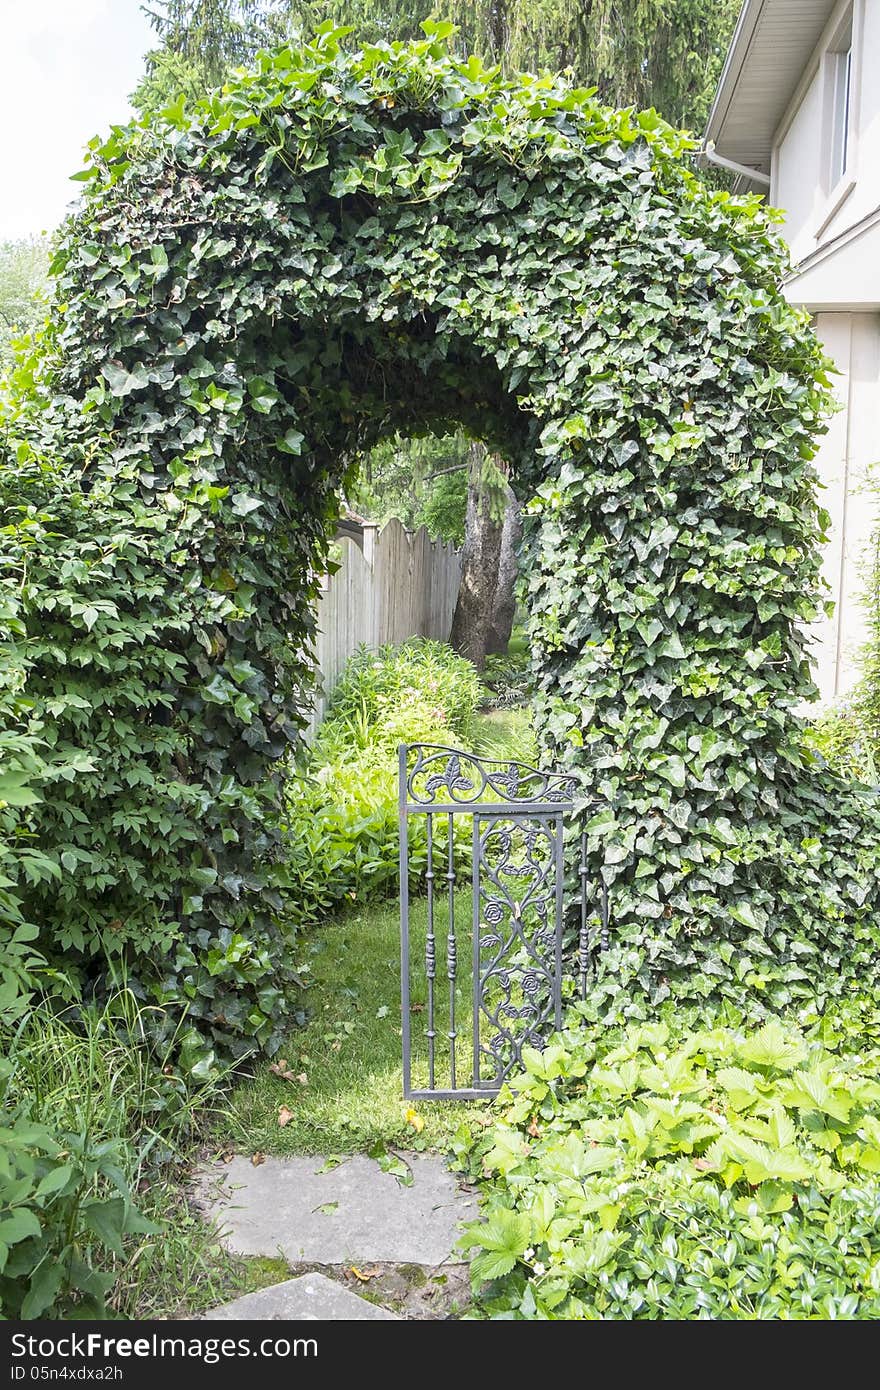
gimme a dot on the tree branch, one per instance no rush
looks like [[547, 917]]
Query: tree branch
[[442, 472]]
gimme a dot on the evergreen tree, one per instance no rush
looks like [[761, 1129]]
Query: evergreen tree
[[200, 40], [662, 53]]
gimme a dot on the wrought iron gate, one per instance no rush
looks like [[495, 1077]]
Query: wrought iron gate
[[512, 972]]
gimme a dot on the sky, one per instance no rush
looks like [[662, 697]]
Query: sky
[[66, 70]]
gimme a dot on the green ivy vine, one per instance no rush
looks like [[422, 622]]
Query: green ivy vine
[[263, 285]]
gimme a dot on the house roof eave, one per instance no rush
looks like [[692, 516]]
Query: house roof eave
[[771, 48]]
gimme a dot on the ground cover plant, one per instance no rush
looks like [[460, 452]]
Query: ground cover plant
[[654, 1173], [260, 286]]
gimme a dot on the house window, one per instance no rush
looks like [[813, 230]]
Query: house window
[[840, 64], [840, 117]]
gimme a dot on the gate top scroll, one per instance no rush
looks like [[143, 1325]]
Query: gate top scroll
[[442, 778]]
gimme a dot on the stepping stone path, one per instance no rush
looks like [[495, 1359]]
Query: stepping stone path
[[349, 1216], [311, 1296]]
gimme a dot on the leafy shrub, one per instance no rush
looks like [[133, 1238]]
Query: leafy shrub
[[847, 741], [342, 831], [848, 733], [343, 834], [403, 694], [648, 1175]]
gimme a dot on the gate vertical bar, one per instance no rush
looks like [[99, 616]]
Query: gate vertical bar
[[451, 952], [557, 951], [584, 934], [476, 941], [430, 951], [404, 920]]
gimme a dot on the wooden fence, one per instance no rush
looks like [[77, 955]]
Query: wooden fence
[[392, 584]]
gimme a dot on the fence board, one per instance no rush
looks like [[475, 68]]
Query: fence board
[[392, 584]]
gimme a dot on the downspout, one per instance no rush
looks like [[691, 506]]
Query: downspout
[[707, 152]]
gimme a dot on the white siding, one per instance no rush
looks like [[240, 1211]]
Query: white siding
[[835, 242], [846, 456], [796, 185], [815, 214]]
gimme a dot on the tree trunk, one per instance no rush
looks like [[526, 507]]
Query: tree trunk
[[480, 556], [497, 31], [504, 604]]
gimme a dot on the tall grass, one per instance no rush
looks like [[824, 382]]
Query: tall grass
[[88, 1075], [505, 735], [90, 1069]]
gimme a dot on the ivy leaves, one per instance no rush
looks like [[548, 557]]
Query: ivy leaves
[[122, 382]]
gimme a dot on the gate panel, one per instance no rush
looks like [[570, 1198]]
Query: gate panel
[[507, 938], [518, 872]]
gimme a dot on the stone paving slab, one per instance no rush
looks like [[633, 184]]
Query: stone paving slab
[[354, 1211], [310, 1297]]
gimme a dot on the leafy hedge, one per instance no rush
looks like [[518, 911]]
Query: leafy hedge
[[27, 762], [646, 1175], [262, 285], [112, 850]]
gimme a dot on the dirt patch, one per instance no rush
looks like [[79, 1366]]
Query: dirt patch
[[416, 1292]]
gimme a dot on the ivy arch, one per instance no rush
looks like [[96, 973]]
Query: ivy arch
[[257, 289]]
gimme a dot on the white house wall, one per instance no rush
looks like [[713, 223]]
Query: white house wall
[[834, 235], [844, 276], [814, 215], [848, 454], [795, 185]]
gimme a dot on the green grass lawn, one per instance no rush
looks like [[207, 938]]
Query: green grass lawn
[[348, 1096]]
